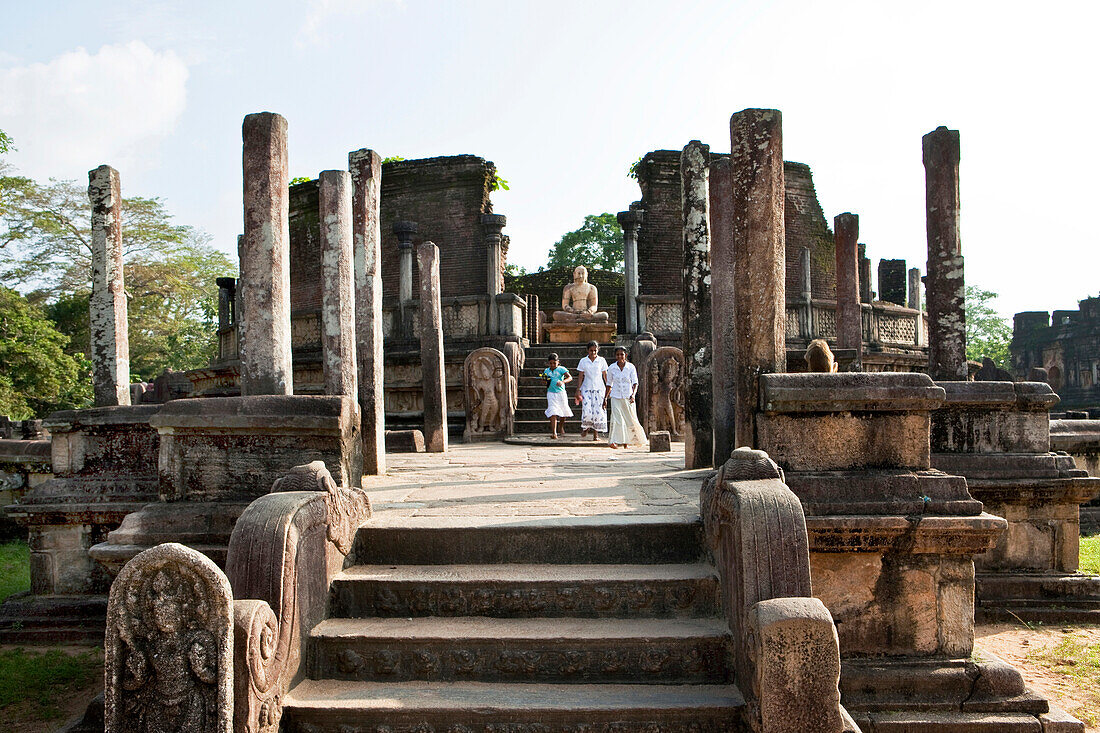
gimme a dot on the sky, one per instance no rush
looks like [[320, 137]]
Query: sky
[[563, 96]]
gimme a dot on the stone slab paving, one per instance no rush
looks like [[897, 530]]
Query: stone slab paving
[[500, 480]]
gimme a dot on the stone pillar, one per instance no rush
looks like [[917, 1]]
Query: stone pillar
[[946, 286], [493, 224], [722, 333], [914, 288], [227, 297], [865, 294], [698, 439], [849, 314], [756, 168], [337, 285], [110, 336], [431, 350], [891, 281], [264, 328], [405, 230], [366, 177], [807, 316], [630, 221]]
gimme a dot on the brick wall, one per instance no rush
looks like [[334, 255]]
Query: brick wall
[[445, 196], [660, 249]]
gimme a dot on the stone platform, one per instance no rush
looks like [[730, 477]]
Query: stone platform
[[571, 333]]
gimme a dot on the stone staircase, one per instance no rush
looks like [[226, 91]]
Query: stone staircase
[[591, 623], [531, 412]]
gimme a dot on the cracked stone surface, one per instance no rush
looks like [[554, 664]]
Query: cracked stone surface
[[500, 480]]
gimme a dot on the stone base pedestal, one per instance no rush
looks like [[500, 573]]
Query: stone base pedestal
[[579, 333]]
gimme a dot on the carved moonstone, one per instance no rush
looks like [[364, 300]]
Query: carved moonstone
[[169, 645]]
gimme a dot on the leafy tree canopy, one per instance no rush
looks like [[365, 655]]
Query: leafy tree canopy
[[38, 376], [598, 244], [988, 333]]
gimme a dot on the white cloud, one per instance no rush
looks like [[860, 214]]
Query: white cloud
[[79, 110], [320, 12]]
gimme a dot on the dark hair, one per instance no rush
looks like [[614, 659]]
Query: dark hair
[[591, 344], [552, 357], [620, 348]]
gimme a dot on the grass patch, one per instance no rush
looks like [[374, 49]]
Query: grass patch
[[1090, 555], [1074, 658], [32, 684], [15, 568]]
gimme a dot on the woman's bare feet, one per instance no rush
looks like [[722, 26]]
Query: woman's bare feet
[[554, 436]]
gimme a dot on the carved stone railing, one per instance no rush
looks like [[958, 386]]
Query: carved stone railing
[[884, 324], [464, 317], [284, 551], [661, 315], [786, 652]]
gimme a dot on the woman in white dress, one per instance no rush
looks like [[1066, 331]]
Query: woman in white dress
[[623, 379], [592, 391]]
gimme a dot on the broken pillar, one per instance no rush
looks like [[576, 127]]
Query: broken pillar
[[946, 286], [723, 366], [405, 231], [865, 294], [914, 288], [338, 357], [757, 241], [366, 177], [264, 325], [849, 311], [631, 222], [698, 448], [110, 337], [805, 280], [493, 224], [227, 295], [891, 281], [431, 350]]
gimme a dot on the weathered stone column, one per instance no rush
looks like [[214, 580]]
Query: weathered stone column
[[110, 336], [227, 297], [630, 221], [405, 230], [806, 281], [914, 288], [698, 439], [264, 328], [891, 281], [431, 350], [366, 177], [946, 286], [493, 224], [849, 318], [337, 285], [756, 167], [723, 365], [865, 294]]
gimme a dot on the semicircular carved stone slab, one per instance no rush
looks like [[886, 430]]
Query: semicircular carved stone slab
[[169, 645], [490, 395], [664, 385]]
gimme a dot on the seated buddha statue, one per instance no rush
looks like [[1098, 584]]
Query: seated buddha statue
[[579, 301]]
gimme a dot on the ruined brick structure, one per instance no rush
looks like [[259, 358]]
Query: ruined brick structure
[[1067, 345]]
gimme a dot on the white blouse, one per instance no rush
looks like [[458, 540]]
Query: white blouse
[[593, 372], [622, 380]]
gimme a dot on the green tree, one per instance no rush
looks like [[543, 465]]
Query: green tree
[[38, 376], [598, 244], [45, 250], [987, 331]]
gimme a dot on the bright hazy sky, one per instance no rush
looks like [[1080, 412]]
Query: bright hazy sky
[[565, 95]]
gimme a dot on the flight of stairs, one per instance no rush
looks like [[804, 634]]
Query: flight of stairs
[[586, 624], [531, 412]]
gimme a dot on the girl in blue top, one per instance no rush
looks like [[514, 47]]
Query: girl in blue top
[[557, 406]]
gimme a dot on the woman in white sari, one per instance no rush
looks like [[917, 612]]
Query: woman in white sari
[[623, 384], [592, 391]]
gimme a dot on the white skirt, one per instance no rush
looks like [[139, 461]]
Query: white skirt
[[625, 428], [557, 404]]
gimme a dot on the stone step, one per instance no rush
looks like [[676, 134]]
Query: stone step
[[1059, 612], [521, 650], [603, 539], [525, 590], [332, 706], [949, 722], [1043, 587], [28, 619]]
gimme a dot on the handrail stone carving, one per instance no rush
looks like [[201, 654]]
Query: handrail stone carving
[[274, 553], [786, 653]]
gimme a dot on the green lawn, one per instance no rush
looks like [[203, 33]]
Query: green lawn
[[34, 684], [15, 568], [1077, 662], [1090, 555]]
